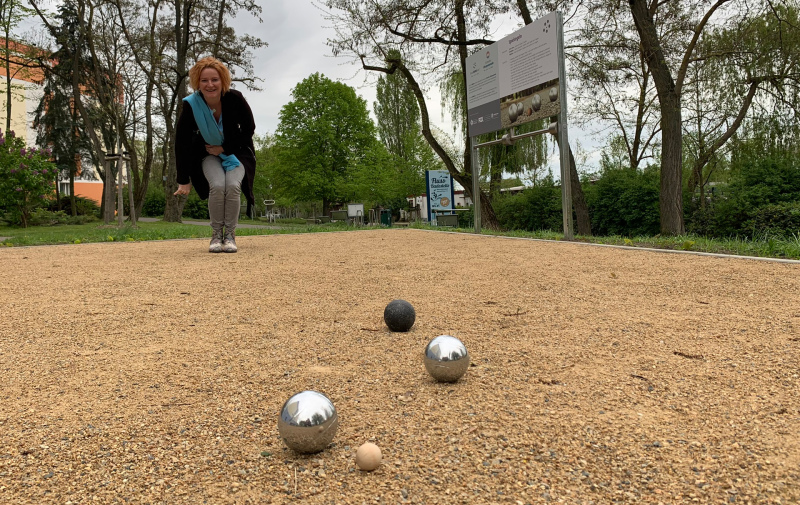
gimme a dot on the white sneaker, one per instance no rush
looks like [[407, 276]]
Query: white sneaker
[[229, 244], [216, 243]]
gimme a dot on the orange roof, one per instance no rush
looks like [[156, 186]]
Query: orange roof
[[22, 56]]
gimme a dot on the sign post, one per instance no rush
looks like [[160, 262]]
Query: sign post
[[520, 78]]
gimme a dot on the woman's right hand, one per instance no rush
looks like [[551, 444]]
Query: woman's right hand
[[183, 189]]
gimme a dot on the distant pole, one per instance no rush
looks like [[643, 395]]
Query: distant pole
[[108, 190], [476, 185], [563, 140], [131, 206], [120, 203]]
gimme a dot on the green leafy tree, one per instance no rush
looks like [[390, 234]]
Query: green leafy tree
[[26, 178], [56, 120], [374, 179], [398, 121], [263, 185], [748, 68], [323, 134]]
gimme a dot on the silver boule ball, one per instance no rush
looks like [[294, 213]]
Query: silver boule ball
[[553, 94], [308, 422], [446, 358], [536, 102]]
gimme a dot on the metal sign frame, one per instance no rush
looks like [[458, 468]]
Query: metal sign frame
[[558, 129]]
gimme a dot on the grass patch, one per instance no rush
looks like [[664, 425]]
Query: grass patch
[[144, 231], [765, 245], [761, 246]]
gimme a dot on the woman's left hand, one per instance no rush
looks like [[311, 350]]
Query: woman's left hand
[[214, 150]]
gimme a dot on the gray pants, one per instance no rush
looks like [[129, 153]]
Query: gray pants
[[225, 189]]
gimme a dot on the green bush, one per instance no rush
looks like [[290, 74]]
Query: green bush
[[44, 217], [700, 221], [625, 202], [466, 219], [154, 201], [781, 219], [536, 208], [195, 208], [84, 206], [26, 179], [771, 183]]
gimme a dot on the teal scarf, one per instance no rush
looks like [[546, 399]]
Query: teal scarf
[[208, 128]]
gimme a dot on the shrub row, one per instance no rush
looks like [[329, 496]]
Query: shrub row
[[761, 196]]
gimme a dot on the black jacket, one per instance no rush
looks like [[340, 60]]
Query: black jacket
[[238, 127]]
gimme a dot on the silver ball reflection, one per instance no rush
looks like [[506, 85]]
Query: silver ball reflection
[[553, 94], [308, 422], [446, 358]]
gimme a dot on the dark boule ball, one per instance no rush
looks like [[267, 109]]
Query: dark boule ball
[[399, 315]]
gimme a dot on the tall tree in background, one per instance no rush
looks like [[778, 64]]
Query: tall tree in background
[[58, 123], [431, 37], [611, 83], [673, 41], [323, 134], [141, 29], [398, 123], [59, 127], [742, 66], [87, 78]]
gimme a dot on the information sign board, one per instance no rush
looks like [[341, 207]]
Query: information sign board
[[516, 79]]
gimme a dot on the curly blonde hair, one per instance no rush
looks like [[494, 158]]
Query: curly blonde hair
[[210, 62]]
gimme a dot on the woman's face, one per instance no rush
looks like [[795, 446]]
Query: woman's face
[[210, 84]]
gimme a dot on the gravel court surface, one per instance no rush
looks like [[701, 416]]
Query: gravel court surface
[[154, 372]]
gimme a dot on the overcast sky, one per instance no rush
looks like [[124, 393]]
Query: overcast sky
[[296, 33]]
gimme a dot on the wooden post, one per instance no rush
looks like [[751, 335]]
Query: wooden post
[[108, 190], [120, 200], [132, 207]]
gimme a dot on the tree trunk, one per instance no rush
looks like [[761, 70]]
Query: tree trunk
[[58, 191], [670, 198], [174, 204], [578, 200], [495, 177], [73, 209], [488, 217]]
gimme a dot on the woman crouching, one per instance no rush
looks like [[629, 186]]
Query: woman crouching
[[214, 149]]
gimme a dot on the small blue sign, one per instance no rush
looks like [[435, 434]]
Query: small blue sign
[[439, 184]]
